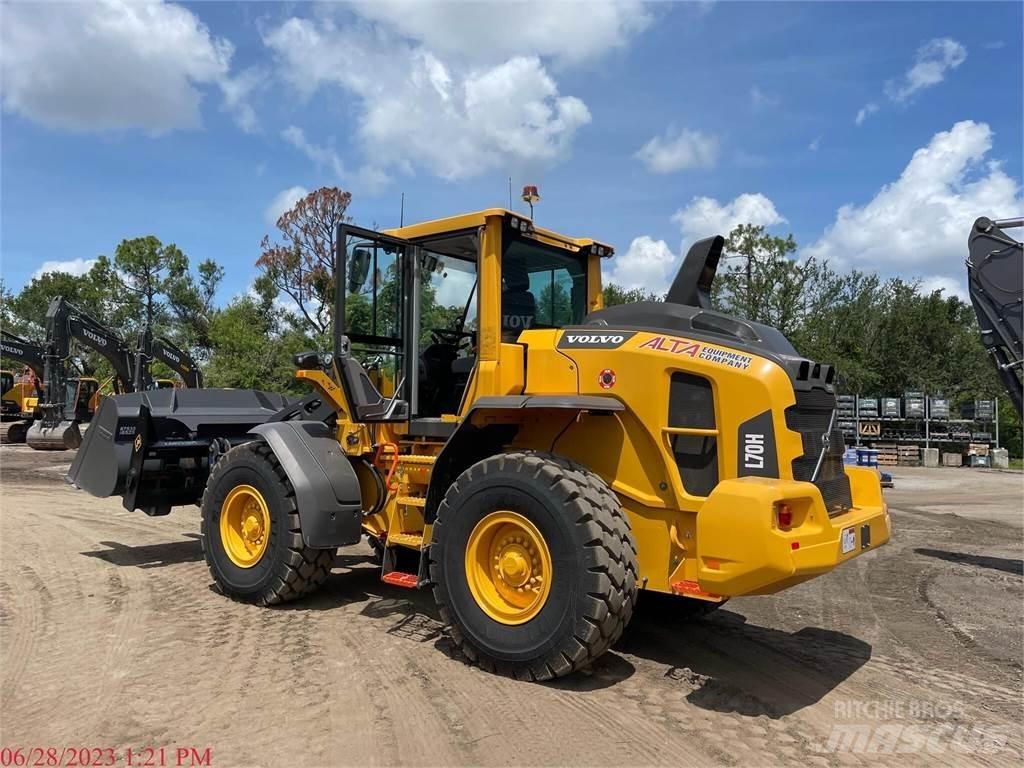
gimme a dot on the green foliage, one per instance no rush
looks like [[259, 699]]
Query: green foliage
[[614, 294]]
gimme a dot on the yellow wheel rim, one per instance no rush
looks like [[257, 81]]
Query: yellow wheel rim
[[508, 567], [244, 526]]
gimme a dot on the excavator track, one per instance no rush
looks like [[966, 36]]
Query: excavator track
[[61, 437], [12, 432]]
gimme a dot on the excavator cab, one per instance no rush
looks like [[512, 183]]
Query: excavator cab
[[9, 406]]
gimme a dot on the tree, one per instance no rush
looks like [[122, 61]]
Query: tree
[[766, 286], [301, 263], [192, 303], [615, 294], [150, 272], [253, 343]]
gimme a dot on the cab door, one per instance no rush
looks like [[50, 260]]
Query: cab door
[[377, 343]]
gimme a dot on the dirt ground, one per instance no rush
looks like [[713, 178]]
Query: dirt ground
[[111, 636]]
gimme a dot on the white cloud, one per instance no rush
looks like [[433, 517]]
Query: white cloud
[[931, 63], [918, 224], [649, 264], [322, 156], [947, 285], [113, 65], [446, 87], [759, 99], [865, 112], [283, 201], [705, 216], [75, 267], [815, 145], [489, 32], [677, 151]]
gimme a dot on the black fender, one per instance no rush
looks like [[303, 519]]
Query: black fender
[[471, 443], [326, 486]]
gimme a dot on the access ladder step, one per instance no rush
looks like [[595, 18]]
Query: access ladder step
[[400, 579], [412, 540], [412, 501], [415, 458]]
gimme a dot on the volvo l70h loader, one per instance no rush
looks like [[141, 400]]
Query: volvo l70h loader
[[503, 440]]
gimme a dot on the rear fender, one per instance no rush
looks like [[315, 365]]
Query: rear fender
[[472, 442], [326, 487]]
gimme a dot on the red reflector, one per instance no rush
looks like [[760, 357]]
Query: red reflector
[[785, 516], [795, 545]]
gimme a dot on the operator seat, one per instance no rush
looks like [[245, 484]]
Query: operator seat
[[518, 304]]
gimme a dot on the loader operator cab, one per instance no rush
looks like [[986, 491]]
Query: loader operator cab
[[527, 281]]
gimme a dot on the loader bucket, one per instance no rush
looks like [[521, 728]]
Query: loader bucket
[[154, 448]]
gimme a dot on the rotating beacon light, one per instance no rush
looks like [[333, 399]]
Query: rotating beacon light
[[531, 196]]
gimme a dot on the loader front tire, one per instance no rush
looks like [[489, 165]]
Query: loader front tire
[[534, 565], [252, 539]]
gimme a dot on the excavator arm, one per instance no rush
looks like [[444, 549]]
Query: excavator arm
[[65, 322], [995, 280], [25, 352], [161, 349]]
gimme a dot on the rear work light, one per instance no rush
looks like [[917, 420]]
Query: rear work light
[[784, 515]]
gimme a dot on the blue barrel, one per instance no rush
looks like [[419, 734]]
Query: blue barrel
[[872, 457], [862, 457]]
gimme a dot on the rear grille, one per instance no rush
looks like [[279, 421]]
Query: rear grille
[[692, 405], [812, 418]]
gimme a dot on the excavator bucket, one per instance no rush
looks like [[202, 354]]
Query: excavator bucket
[[61, 436], [154, 448]]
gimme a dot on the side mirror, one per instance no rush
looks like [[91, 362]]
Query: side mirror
[[358, 269]]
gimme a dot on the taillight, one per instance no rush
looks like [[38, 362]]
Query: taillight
[[784, 515]]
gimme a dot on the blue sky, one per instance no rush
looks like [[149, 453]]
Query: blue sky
[[644, 125]]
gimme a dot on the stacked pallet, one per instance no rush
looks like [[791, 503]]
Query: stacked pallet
[[888, 455], [909, 456]]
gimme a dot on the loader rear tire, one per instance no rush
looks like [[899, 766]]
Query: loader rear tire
[[283, 568], [562, 517]]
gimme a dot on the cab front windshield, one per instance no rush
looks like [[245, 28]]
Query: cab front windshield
[[542, 286]]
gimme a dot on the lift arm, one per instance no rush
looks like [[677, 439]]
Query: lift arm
[[995, 279], [65, 322]]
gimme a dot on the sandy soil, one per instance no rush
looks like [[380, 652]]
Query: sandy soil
[[112, 636]]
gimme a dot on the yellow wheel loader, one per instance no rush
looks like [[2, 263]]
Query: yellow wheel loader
[[534, 458]]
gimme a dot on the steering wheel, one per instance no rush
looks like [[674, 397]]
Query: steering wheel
[[449, 336]]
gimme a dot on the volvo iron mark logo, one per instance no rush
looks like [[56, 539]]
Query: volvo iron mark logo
[[588, 340]]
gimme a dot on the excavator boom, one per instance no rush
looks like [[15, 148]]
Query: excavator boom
[[995, 279]]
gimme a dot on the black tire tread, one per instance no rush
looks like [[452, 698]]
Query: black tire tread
[[613, 572], [302, 570]]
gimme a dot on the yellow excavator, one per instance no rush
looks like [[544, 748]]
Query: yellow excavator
[[534, 458]]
